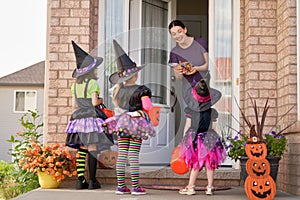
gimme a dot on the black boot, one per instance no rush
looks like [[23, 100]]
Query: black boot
[[93, 183], [81, 183]]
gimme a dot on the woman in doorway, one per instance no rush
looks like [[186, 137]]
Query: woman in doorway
[[189, 60]]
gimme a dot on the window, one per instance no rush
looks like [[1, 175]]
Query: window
[[113, 14], [25, 100]]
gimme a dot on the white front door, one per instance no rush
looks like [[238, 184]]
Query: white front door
[[140, 27], [149, 42]]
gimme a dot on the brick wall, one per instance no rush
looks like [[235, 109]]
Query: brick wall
[[268, 69], [259, 57], [67, 20], [287, 93]]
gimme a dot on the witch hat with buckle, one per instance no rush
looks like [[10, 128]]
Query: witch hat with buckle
[[126, 67], [84, 61]]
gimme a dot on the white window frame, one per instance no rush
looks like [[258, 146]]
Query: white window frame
[[25, 91], [298, 58]]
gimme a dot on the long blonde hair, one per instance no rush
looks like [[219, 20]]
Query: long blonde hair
[[115, 92]]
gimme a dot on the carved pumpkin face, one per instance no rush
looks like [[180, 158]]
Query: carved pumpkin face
[[154, 115], [256, 151], [108, 159], [258, 168], [260, 188]]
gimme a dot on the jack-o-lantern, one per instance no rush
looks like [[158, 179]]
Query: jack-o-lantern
[[154, 115], [260, 188], [108, 159], [256, 150], [177, 164], [258, 168]]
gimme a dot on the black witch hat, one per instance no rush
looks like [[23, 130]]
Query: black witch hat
[[126, 67], [84, 61]]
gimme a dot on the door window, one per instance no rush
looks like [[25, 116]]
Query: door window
[[154, 48], [113, 14]]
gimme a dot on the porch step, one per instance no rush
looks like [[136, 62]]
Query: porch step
[[157, 175]]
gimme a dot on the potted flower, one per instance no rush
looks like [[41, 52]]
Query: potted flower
[[52, 160], [275, 141]]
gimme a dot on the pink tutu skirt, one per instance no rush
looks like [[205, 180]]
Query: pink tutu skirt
[[130, 124], [204, 149]]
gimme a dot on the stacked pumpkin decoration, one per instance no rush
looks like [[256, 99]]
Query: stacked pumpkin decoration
[[259, 184]]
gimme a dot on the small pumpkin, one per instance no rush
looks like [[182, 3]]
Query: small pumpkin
[[256, 150], [177, 164], [108, 159], [257, 189], [258, 168], [154, 115]]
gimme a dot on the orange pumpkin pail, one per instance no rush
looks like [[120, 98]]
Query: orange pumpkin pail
[[177, 164]]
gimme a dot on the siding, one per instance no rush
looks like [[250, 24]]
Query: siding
[[9, 121]]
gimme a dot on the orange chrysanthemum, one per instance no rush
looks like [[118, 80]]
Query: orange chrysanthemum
[[52, 159]]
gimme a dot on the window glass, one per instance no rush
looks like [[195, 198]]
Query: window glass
[[223, 60], [25, 100], [114, 28]]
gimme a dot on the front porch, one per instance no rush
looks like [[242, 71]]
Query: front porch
[[164, 176]]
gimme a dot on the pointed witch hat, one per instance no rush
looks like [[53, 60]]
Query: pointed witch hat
[[126, 67], [84, 61]]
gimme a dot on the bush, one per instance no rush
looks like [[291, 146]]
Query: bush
[[7, 181]]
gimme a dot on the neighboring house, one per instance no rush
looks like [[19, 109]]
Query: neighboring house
[[20, 91], [252, 48]]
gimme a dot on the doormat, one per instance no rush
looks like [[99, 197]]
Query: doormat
[[177, 187]]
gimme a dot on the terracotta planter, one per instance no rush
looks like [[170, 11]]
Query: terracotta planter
[[47, 181], [274, 164]]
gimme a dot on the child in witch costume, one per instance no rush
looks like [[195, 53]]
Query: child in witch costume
[[133, 125], [201, 145], [84, 130]]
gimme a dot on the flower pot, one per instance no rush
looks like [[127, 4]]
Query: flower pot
[[274, 164], [47, 181]]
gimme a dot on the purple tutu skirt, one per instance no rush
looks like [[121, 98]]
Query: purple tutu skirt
[[130, 124], [85, 131], [85, 125], [203, 149]]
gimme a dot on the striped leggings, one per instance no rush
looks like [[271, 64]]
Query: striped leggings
[[128, 148]]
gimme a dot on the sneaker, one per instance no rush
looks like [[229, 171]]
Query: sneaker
[[123, 190], [188, 190], [138, 190], [82, 184], [209, 191]]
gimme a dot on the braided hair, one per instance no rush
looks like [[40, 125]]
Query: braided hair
[[135, 102]]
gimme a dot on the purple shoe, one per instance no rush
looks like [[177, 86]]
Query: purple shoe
[[123, 190], [138, 191]]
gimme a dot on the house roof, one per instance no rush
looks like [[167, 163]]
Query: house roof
[[32, 75]]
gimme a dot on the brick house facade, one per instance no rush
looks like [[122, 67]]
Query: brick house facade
[[268, 67]]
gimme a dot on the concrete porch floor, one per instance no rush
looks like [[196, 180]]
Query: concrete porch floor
[[164, 176], [107, 192]]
